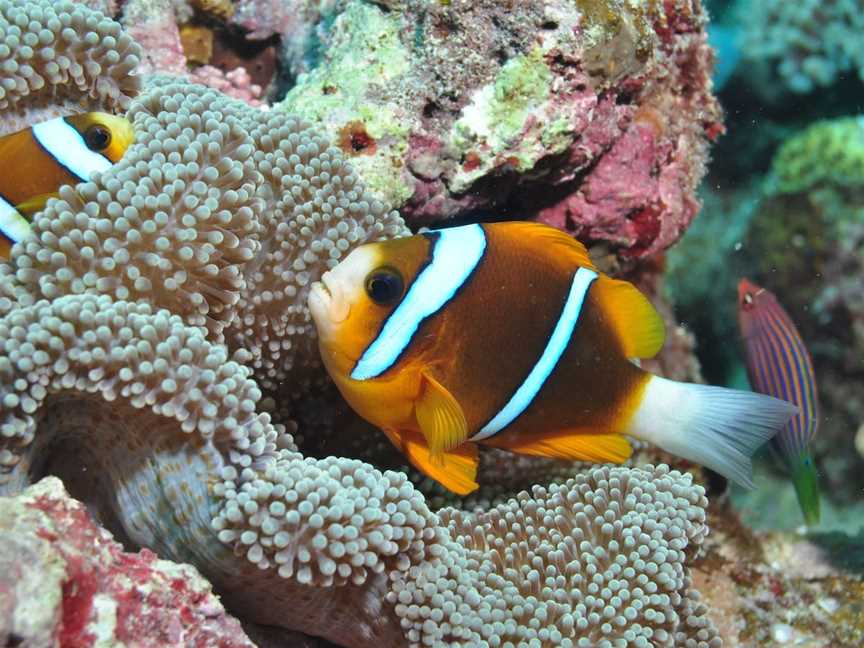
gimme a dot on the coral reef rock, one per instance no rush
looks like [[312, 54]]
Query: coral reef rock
[[65, 581], [592, 116]]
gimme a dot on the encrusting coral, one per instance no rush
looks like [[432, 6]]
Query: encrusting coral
[[140, 328], [59, 58]]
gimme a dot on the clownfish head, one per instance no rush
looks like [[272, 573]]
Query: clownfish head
[[352, 301], [108, 135]]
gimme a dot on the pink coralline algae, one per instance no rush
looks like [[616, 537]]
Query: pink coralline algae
[[235, 83], [595, 117], [153, 25], [65, 581]]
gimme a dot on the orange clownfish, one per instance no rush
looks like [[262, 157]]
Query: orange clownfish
[[37, 161], [506, 335]]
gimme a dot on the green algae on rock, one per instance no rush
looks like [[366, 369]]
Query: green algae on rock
[[828, 153], [337, 91]]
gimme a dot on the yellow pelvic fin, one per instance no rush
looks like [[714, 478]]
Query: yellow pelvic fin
[[561, 245], [440, 417], [575, 446], [32, 206], [456, 469], [637, 324]]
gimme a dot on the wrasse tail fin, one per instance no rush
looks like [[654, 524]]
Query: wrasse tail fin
[[636, 322], [456, 469], [806, 484], [440, 417], [578, 446], [563, 246], [713, 426]]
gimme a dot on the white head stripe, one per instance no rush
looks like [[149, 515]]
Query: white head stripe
[[555, 348], [12, 224], [65, 144], [454, 256]]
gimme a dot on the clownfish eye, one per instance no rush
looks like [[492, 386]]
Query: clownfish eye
[[97, 137], [384, 286]]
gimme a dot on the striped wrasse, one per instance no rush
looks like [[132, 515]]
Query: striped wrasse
[[506, 335], [37, 161], [779, 365]]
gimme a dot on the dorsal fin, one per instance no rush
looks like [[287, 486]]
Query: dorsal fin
[[637, 324], [559, 244]]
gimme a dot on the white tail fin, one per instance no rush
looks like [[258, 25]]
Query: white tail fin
[[717, 427]]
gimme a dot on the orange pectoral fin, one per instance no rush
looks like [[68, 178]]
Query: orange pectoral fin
[[439, 416], [576, 446], [32, 206], [455, 469], [637, 325]]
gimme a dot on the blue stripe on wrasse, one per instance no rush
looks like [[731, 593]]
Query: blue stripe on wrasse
[[455, 254], [555, 348], [779, 365], [64, 143], [13, 226]]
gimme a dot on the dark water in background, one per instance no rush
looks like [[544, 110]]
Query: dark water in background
[[789, 77]]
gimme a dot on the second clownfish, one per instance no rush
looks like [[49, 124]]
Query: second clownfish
[[37, 161], [506, 335]]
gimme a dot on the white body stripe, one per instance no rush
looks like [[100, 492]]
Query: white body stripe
[[555, 348], [455, 255], [66, 145], [12, 224]]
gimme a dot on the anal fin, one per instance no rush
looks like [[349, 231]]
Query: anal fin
[[456, 469], [575, 446]]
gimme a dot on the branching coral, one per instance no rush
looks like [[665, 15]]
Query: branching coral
[[58, 57], [807, 44]]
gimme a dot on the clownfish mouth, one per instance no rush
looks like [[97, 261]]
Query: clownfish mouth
[[327, 302]]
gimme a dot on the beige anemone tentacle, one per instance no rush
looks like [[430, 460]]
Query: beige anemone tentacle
[[59, 58]]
